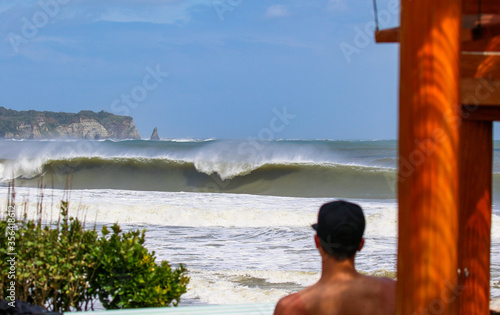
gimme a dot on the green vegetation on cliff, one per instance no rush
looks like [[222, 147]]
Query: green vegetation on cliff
[[46, 124]]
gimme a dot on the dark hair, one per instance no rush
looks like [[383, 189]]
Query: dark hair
[[339, 253]]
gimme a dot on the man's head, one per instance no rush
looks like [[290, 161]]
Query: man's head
[[340, 228]]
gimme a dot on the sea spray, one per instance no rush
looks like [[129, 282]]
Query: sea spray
[[241, 221]]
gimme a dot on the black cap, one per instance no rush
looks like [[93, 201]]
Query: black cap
[[341, 225]]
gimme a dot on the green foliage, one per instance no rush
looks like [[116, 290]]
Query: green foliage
[[127, 275], [10, 120], [66, 267]]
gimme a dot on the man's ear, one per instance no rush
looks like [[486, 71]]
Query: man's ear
[[316, 241], [361, 244]]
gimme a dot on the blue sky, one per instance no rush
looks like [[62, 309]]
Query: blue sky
[[204, 68]]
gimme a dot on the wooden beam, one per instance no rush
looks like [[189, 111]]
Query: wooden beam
[[483, 31], [486, 38], [472, 20], [390, 35], [484, 44], [479, 92], [473, 38], [480, 83], [476, 152], [480, 113], [428, 157], [486, 6], [480, 65]]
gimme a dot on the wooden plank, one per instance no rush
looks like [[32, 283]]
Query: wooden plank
[[485, 44], [428, 156], [390, 35], [480, 65], [488, 39], [476, 151], [474, 39], [480, 72], [480, 92], [472, 20], [481, 113], [486, 6], [484, 32]]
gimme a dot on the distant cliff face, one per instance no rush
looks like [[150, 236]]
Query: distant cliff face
[[49, 125]]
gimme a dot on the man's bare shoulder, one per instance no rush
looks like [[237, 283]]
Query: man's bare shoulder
[[389, 289], [384, 290], [376, 294], [384, 284], [389, 282], [291, 305]]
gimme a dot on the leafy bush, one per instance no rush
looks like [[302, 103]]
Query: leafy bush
[[66, 267], [127, 276]]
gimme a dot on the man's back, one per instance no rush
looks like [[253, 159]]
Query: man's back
[[346, 295], [341, 290]]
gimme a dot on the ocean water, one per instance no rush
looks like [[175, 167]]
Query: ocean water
[[237, 213]]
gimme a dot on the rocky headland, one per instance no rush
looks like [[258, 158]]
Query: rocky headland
[[86, 124]]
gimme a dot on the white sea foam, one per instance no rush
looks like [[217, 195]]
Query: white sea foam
[[239, 286], [383, 222], [188, 209], [495, 305], [495, 226], [225, 170], [23, 167], [217, 210], [206, 209], [214, 288], [302, 278], [190, 140], [238, 248]]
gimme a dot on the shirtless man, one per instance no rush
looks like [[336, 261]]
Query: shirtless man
[[341, 290]]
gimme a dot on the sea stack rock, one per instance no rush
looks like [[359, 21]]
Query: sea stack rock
[[154, 136]]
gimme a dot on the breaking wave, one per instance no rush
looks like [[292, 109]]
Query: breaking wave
[[267, 178]]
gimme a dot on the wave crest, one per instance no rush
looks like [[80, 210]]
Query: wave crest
[[299, 179]]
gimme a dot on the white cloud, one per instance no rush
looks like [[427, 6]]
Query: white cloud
[[336, 5], [5, 6], [149, 11], [276, 11], [53, 39], [152, 11], [158, 15]]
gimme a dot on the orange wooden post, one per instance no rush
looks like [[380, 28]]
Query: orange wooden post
[[476, 151], [476, 159], [428, 157]]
